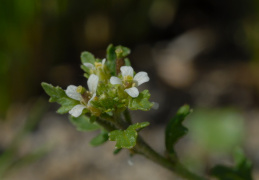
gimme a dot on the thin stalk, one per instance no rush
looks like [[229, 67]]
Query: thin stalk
[[127, 116], [106, 125], [176, 167]]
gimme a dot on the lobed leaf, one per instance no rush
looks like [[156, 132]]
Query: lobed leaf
[[141, 102], [127, 138], [174, 129], [58, 95], [55, 93]]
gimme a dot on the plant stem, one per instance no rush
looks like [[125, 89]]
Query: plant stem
[[127, 116], [176, 167], [144, 149], [106, 125]]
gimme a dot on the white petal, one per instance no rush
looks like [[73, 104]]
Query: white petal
[[115, 80], [72, 93], [126, 71], [92, 83], [103, 62], [133, 92], [91, 99], [89, 65], [141, 77], [77, 110]]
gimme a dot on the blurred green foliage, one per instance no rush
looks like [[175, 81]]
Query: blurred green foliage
[[242, 169], [217, 130], [21, 33]]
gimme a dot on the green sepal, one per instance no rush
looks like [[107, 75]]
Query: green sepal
[[111, 59], [141, 102], [82, 123], [116, 52], [58, 95], [241, 171], [100, 139], [86, 70], [127, 138], [121, 51], [127, 62], [175, 130], [87, 57]]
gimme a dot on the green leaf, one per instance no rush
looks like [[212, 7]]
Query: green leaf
[[243, 165], [225, 173], [55, 93], [127, 138], [111, 59], [58, 95], [86, 70], [174, 129], [82, 123], [241, 171], [141, 102], [116, 151], [87, 57], [100, 139]]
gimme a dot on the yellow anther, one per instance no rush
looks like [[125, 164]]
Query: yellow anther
[[128, 78]]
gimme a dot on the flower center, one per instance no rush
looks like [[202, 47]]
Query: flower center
[[128, 82], [86, 96], [98, 65]]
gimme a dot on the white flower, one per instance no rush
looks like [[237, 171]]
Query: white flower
[[94, 66], [72, 92], [130, 81]]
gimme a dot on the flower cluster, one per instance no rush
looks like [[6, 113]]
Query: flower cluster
[[112, 87], [126, 79]]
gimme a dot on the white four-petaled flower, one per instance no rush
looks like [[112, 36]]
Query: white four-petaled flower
[[72, 92], [130, 81]]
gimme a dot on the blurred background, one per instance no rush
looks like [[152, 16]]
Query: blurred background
[[201, 52]]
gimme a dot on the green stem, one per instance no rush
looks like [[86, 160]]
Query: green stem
[[127, 116], [106, 125], [176, 167]]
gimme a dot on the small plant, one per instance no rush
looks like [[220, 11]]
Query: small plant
[[112, 90]]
